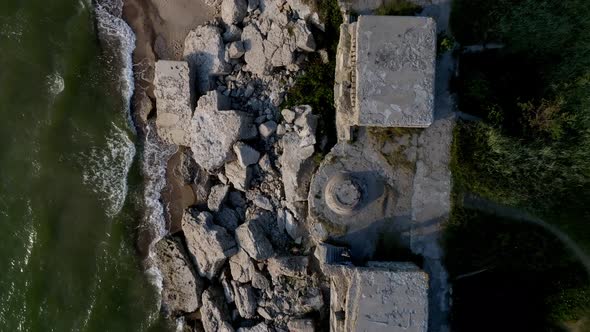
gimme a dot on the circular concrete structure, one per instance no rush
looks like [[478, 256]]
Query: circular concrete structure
[[344, 193]]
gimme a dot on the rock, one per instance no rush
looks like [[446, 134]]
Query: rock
[[298, 147], [172, 91], [241, 267], [324, 56], [261, 327], [265, 163], [304, 37], [227, 218], [287, 221], [281, 130], [228, 291], [301, 325], [232, 33], [263, 202], [306, 121], [263, 313], [233, 11], [205, 52], [254, 50], [252, 5], [288, 115], [217, 197], [290, 266], [235, 50], [210, 245], [214, 312], [246, 154], [301, 8], [237, 199], [212, 147], [181, 287], [268, 128], [239, 176], [251, 238], [245, 299], [259, 280]]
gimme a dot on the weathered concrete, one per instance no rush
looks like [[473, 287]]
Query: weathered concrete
[[395, 71], [172, 91], [388, 296]]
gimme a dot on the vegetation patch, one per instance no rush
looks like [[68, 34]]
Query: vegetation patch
[[315, 87], [510, 276], [399, 8], [530, 150]]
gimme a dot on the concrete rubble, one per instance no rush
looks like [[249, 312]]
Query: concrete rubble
[[252, 247]]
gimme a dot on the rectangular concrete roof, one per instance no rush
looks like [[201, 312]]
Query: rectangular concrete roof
[[388, 297], [395, 68]]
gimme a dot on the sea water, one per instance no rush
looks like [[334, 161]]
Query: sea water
[[71, 190]]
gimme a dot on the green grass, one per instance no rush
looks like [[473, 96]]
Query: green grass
[[531, 150], [530, 282], [315, 87], [399, 8]]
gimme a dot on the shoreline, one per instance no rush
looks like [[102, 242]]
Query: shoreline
[[154, 36]]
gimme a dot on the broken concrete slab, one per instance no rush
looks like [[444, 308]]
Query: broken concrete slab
[[181, 287], [210, 245], [251, 238]]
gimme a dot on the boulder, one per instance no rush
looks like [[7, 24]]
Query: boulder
[[214, 312], [259, 281], [267, 129], [246, 154], [251, 238], [301, 325], [254, 50], [232, 33], [210, 245], [303, 37], [205, 52], [288, 115], [241, 267], [289, 266], [261, 327], [227, 218], [239, 176], [212, 147], [217, 196], [253, 5], [245, 299], [235, 50], [298, 147], [233, 11], [181, 287], [263, 202]]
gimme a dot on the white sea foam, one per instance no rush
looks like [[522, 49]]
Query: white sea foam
[[55, 84], [106, 169], [112, 29], [154, 161]]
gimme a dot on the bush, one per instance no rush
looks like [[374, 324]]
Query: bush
[[315, 87], [398, 8]]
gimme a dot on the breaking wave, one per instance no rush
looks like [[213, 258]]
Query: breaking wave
[[117, 35], [107, 168], [155, 158], [55, 84]]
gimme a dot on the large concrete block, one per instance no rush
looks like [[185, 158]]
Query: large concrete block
[[395, 68]]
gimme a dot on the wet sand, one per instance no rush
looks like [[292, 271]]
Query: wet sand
[[160, 27]]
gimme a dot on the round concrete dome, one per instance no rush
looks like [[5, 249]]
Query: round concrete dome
[[344, 193]]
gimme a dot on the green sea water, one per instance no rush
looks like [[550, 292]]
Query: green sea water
[[69, 183]]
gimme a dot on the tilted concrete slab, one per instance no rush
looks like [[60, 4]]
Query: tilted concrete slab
[[395, 66], [382, 296]]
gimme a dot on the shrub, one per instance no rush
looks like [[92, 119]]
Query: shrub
[[399, 8]]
